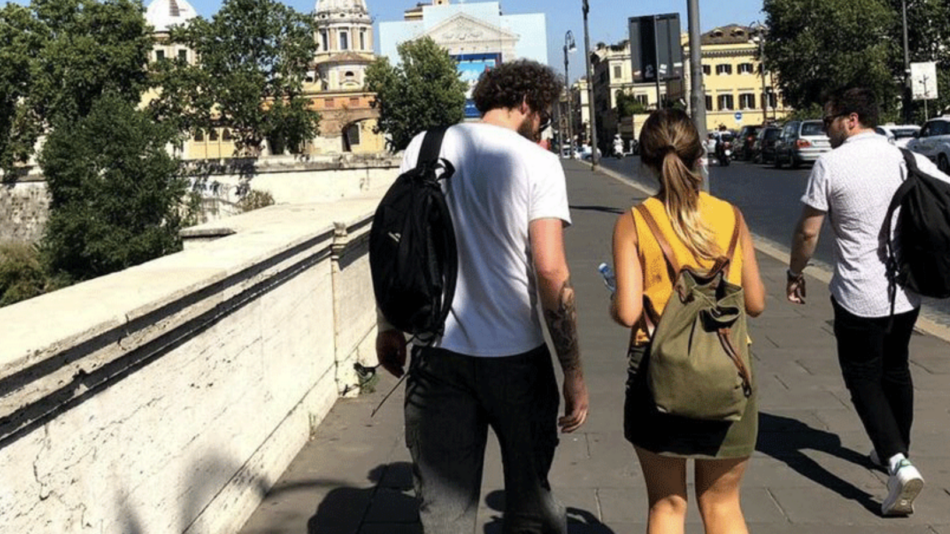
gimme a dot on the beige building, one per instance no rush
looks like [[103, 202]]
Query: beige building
[[733, 80], [580, 109], [335, 83]]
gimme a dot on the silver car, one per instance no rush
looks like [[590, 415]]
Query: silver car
[[801, 142]]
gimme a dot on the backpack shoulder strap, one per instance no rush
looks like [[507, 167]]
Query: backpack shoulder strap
[[431, 145], [733, 242], [671, 264]]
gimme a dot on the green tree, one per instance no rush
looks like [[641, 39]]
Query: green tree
[[57, 57], [253, 58], [422, 92], [115, 191], [824, 45], [628, 105]]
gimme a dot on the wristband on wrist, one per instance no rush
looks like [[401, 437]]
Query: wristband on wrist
[[792, 276]]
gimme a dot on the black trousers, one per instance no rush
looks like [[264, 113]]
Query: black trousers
[[451, 401], [874, 363]]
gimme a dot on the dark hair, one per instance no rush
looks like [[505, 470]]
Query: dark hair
[[859, 100], [508, 84]]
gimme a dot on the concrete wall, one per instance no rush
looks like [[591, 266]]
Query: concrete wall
[[169, 397], [24, 209], [24, 204]]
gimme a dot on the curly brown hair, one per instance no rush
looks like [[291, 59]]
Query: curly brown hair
[[508, 84]]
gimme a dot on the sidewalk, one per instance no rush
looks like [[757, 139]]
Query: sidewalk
[[809, 474]]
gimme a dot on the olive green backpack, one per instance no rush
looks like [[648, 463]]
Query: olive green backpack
[[695, 369]]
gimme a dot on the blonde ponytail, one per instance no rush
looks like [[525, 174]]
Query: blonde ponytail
[[668, 142]]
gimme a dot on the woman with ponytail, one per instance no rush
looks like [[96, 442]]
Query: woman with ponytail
[[698, 228]]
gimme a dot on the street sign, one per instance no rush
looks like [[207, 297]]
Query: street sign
[[738, 116], [923, 79], [655, 47]]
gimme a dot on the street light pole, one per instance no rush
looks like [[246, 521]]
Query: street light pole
[[908, 92], [697, 93], [594, 160], [569, 46], [760, 37]]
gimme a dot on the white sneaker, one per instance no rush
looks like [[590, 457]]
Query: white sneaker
[[903, 486]]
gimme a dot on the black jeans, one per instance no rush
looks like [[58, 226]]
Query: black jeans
[[875, 368], [451, 400]]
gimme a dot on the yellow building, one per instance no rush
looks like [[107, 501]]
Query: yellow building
[[733, 81]]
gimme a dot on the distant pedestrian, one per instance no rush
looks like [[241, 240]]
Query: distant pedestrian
[[492, 368], [853, 185], [697, 229]]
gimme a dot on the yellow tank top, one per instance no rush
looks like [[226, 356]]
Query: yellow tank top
[[719, 217]]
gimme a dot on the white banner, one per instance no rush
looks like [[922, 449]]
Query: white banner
[[923, 78]]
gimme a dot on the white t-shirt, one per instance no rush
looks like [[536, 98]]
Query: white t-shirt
[[502, 182], [854, 184]]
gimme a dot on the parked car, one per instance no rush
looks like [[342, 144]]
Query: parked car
[[801, 142], [898, 135], [585, 153], [933, 141], [745, 142], [763, 150]]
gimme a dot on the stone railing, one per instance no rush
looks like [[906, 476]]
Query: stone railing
[[169, 397]]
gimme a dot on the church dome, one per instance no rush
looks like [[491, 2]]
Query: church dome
[[342, 6], [163, 14]]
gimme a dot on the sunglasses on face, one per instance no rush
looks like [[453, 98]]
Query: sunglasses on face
[[828, 119]]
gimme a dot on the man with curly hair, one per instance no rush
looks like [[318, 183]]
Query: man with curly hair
[[492, 368]]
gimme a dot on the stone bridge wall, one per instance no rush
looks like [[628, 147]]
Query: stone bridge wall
[[169, 397]]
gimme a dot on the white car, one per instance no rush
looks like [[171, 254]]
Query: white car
[[933, 141], [898, 135]]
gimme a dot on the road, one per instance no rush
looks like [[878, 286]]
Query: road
[[770, 200]]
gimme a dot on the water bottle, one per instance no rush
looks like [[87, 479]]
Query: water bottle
[[610, 280]]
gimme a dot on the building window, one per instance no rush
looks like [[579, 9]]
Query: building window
[[212, 134], [183, 55], [643, 99], [344, 41], [709, 103], [747, 101], [746, 68], [726, 102], [362, 39], [226, 135], [618, 72], [199, 136], [770, 99], [707, 70], [159, 55], [353, 134], [324, 40], [723, 69]]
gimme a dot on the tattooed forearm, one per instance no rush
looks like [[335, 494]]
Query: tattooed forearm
[[562, 325]]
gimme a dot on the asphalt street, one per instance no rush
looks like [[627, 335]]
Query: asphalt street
[[770, 200]]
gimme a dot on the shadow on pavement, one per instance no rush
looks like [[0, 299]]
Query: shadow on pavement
[[578, 521], [785, 439], [345, 510]]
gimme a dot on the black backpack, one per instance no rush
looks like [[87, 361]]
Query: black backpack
[[412, 251], [923, 232]]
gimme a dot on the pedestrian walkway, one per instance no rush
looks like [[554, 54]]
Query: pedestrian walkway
[[809, 474]]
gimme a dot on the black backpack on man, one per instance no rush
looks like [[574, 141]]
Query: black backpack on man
[[412, 250], [922, 261]]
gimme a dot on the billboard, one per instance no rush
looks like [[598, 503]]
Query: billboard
[[470, 67], [923, 78], [655, 47]]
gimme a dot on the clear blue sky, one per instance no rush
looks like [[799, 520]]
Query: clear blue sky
[[608, 18]]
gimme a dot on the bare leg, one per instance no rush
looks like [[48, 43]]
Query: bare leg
[[666, 491], [717, 490]]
